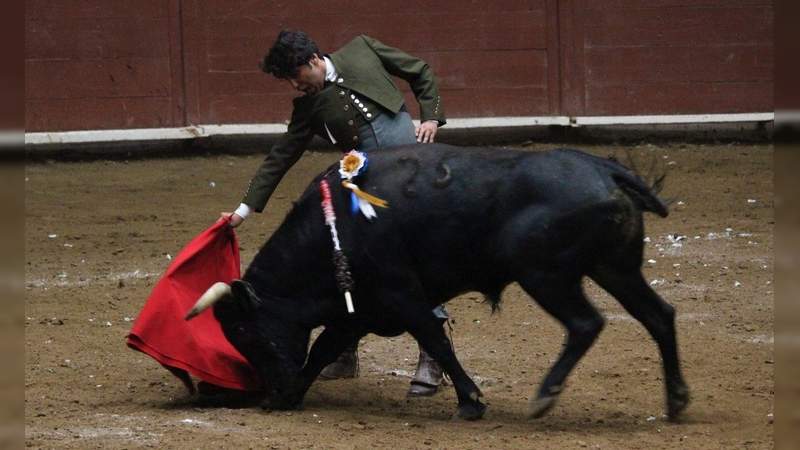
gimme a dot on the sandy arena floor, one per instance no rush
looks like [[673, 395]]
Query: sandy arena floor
[[99, 234]]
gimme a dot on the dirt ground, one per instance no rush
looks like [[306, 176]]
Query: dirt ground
[[99, 234]]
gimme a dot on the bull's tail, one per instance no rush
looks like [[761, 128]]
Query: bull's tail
[[640, 193], [628, 180]]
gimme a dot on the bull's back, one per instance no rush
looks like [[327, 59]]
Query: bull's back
[[461, 216], [427, 182]]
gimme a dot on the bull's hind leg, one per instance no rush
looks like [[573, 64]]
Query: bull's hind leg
[[563, 299], [658, 317]]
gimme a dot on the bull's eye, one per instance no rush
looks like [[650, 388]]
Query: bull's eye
[[240, 329]]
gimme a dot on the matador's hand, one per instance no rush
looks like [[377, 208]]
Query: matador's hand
[[426, 131], [234, 218]]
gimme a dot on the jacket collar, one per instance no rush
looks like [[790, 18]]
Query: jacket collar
[[330, 70], [343, 72]]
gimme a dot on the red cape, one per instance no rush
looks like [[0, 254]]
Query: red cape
[[197, 347]]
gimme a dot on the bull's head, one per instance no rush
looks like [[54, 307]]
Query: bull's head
[[275, 347]]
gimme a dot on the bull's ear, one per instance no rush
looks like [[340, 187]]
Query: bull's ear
[[244, 295]]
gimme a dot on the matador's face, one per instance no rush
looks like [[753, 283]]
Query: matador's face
[[310, 77]]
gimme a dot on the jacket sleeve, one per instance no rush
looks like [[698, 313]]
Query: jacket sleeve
[[283, 155], [417, 73]]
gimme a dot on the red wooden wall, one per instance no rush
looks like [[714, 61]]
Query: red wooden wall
[[101, 64], [98, 64], [623, 57]]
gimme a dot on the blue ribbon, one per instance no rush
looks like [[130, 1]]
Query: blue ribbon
[[354, 209]]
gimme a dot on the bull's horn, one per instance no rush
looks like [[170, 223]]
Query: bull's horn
[[217, 291]]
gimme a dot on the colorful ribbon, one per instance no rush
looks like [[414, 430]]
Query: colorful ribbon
[[344, 279], [353, 164]]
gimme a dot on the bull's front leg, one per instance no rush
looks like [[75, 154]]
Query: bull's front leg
[[326, 348], [427, 330]]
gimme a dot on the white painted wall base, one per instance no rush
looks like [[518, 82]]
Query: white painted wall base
[[202, 131]]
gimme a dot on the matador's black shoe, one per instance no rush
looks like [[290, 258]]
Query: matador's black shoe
[[345, 366], [427, 378]]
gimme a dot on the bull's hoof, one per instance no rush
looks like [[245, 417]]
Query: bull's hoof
[[472, 411], [541, 405], [421, 390], [282, 405], [212, 395], [677, 401]]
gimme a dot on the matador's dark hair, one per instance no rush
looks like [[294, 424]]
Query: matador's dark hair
[[291, 50]]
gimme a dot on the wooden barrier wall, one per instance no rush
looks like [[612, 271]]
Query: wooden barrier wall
[[108, 64]]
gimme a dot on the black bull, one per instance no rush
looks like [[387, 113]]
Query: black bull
[[459, 220]]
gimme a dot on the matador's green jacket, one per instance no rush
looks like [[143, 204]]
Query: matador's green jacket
[[364, 67]]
